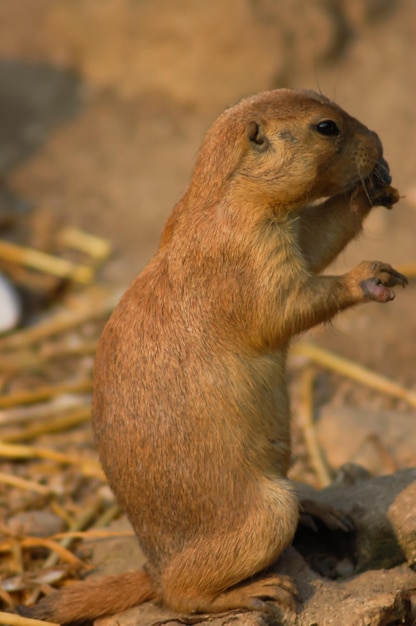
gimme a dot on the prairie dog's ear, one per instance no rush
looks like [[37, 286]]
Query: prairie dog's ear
[[256, 136]]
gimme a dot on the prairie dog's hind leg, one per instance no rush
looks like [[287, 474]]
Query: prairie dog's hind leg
[[210, 575]]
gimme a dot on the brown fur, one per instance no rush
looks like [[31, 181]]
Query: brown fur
[[191, 412]]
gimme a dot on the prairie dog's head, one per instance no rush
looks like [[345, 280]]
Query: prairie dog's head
[[285, 148]]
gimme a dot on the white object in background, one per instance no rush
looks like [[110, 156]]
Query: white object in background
[[10, 307]]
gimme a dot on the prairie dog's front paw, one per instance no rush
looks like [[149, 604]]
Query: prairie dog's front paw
[[384, 196], [377, 280], [378, 186], [368, 195], [376, 190]]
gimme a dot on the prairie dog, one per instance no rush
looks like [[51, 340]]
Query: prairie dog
[[191, 411]]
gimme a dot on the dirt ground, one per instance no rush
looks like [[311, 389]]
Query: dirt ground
[[103, 106]]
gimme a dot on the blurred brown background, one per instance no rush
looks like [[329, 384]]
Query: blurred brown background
[[103, 104]]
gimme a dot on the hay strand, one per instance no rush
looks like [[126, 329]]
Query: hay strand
[[353, 370], [18, 620], [309, 431], [43, 262]]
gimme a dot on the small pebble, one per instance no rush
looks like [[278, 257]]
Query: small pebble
[[36, 524], [10, 305]]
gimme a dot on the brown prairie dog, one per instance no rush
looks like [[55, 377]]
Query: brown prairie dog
[[191, 412]]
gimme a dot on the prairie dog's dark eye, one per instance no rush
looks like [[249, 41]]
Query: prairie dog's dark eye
[[328, 128]]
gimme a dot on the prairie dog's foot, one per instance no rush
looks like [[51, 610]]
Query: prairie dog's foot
[[278, 589], [263, 594]]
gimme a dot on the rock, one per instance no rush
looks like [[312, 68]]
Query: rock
[[36, 523], [150, 615], [402, 516], [374, 598], [383, 512]]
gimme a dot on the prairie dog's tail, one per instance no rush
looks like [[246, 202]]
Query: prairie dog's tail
[[95, 598]]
